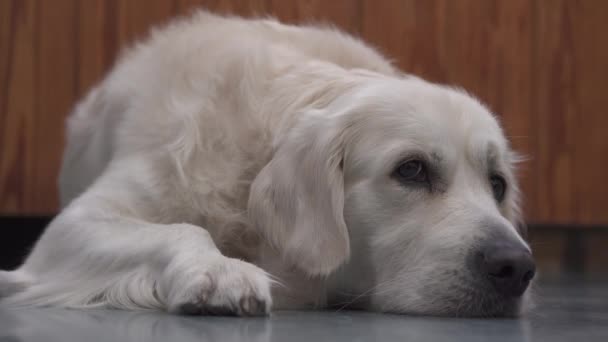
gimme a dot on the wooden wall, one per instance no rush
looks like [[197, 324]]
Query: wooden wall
[[541, 65]]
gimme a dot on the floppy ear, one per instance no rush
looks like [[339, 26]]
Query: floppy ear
[[297, 200]]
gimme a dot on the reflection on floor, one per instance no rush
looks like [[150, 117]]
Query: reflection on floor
[[568, 309]]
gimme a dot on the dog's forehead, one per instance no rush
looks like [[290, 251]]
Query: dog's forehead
[[441, 121]]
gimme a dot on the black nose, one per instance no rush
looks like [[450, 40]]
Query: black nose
[[509, 267]]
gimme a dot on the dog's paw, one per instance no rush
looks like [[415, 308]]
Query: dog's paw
[[225, 286]]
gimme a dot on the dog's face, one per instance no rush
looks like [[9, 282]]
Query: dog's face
[[403, 191]]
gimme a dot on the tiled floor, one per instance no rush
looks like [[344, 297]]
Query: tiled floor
[[568, 310]]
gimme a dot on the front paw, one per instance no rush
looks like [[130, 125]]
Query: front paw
[[224, 286]]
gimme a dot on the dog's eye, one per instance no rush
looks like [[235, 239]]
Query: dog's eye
[[499, 187], [412, 171]]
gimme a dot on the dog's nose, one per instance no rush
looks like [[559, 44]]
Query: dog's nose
[[509, 267]]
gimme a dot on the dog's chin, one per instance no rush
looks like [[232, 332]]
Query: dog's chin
[[509, 308], [467, 295], [469, 304], [485, 306]]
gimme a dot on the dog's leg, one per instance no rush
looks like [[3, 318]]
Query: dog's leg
[[102, 251]]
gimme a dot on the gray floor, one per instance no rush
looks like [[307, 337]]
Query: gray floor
[[566, 311]]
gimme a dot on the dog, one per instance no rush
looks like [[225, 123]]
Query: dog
[[229, 166]]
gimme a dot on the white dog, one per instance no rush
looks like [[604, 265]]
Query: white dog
[[226, 164]]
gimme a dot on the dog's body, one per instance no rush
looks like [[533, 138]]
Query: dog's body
[[223, 143]]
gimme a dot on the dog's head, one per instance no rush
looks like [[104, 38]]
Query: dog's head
[[403, 193]]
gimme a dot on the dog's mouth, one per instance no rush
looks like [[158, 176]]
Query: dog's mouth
[[455, 294], [460, 301], [473, 300], [488, 306], [476, 305]]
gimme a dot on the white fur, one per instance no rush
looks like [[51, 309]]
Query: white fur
[[222, 151]]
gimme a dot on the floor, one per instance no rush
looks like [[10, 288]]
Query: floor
[[567, 310]]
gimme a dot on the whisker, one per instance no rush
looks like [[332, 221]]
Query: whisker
[[276, 280], [366, 293]]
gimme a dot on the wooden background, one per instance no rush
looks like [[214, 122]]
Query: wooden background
[[541, 65]]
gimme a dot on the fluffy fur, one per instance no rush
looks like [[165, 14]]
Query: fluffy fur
[[225, 163]]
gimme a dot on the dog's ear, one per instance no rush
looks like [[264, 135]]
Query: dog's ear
[[297, 200]]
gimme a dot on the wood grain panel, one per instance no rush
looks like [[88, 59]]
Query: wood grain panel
[[540, 65], [134, 21], [590, 88], [55, 90], [571, 66], [237, 7], [17, 116], [95, 43], [6, 42], [409, 32]]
